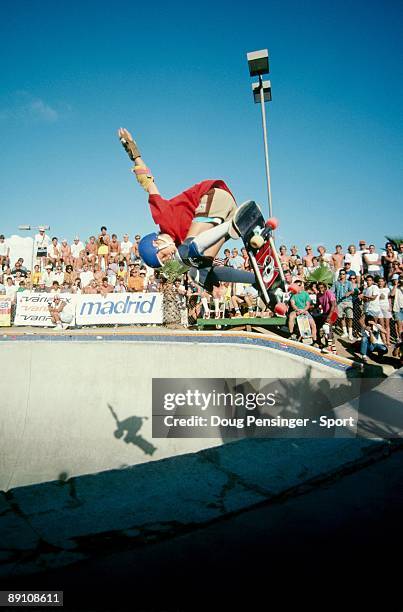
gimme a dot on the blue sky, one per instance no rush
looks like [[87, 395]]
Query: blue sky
[[175, 74]]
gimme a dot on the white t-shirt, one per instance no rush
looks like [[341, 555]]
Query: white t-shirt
[[370, 259], [47, 279], [11, 290], [86, 278], [373, 305], [3, 248], [355, 260], [125, 247], [42, 241], [58, 276], [76, 248], [383, 298]]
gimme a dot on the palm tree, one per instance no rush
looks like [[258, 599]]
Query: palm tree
[[170, 272], [323, 274]]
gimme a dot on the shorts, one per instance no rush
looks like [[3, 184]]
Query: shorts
[[66, 318], [398, 316], [42, 252], [345, 309], [385, 314], [370, 312], [216, 203]]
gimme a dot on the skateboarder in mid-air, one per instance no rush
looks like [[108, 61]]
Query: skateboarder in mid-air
[[182, 236]]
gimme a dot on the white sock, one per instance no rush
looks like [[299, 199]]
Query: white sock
[[211, 236]]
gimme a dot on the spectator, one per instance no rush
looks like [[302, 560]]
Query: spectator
[[122, 273], [245, 257], [396, 294], [41, 244], [41, 287], [55, 287], [349, 272], [337, 260], [236, 261], [54, 252], [91, 288], [103, 251], [4, 252], [91, 250], [86, 276], [76, 287], [11, 289], [112, 270], [61, 312], [325, 258], [22, 287], [284, 257], [294, 257], [355, 259], [400, 254], [227, 257], [300, 273], [136, 282], [398, 349], [307, 259], [105, 287], [58, 274], [134, 251], [98, 274], [47, 276], [370, 297], [152, 285], [343, 290], [114, 247], [373, 339], [104, 236], [65, 251], [300, 303], [125, 247], [372, 261], [385, 307], [69, 275], [18, 267], [387, 258], [77, 249], [120, 286], [327, 310], [36, 276], [2, 286]]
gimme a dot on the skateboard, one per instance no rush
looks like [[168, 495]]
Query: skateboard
[[304, 328], [256, 234]]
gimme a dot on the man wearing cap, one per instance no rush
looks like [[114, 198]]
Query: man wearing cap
[[125, 247], [182, 237], [41, 244]]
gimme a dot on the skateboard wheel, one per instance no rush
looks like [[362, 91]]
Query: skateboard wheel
[[272, 223], [281, 309], [256, 241]]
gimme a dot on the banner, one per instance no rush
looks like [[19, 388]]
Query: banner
[[119, 308], [32, 308], [5, 311]]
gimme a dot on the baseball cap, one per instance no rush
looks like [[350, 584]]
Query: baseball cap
[[395, 276], [48, 267]]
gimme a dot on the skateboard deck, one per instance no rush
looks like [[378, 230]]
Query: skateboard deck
[[304, 328], [257, 238]]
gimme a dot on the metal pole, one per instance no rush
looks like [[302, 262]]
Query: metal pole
[[266, 149]]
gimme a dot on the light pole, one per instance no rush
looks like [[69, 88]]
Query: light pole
[[258, 62], [29, 228]]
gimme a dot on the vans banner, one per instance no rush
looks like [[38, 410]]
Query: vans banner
[[32, 308], [129, 308]]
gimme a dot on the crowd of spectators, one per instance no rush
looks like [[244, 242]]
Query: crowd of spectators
[[366, 288]]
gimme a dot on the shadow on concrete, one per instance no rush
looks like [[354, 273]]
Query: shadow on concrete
[[129, 428], [300, 398]]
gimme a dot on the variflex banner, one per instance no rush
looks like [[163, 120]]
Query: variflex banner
[[119, 308], [32, 308], [122, 308]]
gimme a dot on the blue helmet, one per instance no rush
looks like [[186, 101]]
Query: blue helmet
[[149, 252]]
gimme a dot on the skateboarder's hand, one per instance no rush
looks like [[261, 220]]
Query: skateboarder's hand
[[125, 134]]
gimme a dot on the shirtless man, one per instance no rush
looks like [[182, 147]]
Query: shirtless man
[[307, 259], [105, 287], [284, 257], [98, 274], [182, 237], [104, 235], [91, 288], [54, 252], [91, 249], [337, 260], [65, 251], [114, 247]]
